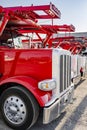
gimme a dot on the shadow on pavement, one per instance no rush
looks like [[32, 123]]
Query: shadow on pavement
[[75, 116], [80, 82], [51, 126]]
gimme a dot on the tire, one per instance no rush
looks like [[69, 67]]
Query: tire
[[19, 108]]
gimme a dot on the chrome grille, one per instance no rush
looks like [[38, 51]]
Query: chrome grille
[[65, 72], [61, 73]]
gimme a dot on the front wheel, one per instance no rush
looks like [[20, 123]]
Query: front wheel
[[19, 108]]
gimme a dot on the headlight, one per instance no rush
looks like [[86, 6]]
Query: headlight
[[47, 85]]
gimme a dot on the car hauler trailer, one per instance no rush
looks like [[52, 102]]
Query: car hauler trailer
[[31, 80]]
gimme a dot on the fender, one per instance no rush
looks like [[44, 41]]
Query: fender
[[31, 85]]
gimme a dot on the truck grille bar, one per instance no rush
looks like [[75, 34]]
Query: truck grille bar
[[65, 72]]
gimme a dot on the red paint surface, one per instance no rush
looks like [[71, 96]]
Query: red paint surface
[[27, 67]]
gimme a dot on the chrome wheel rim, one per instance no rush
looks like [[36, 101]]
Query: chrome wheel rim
[[15, 110]]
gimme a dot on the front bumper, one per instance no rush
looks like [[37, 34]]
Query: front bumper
[[52, 111]]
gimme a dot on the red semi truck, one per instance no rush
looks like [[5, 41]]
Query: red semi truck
[[31, 80]]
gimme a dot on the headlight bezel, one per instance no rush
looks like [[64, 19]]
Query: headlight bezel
[[47, 85]]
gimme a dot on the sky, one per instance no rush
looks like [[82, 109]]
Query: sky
[[72, 11]]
